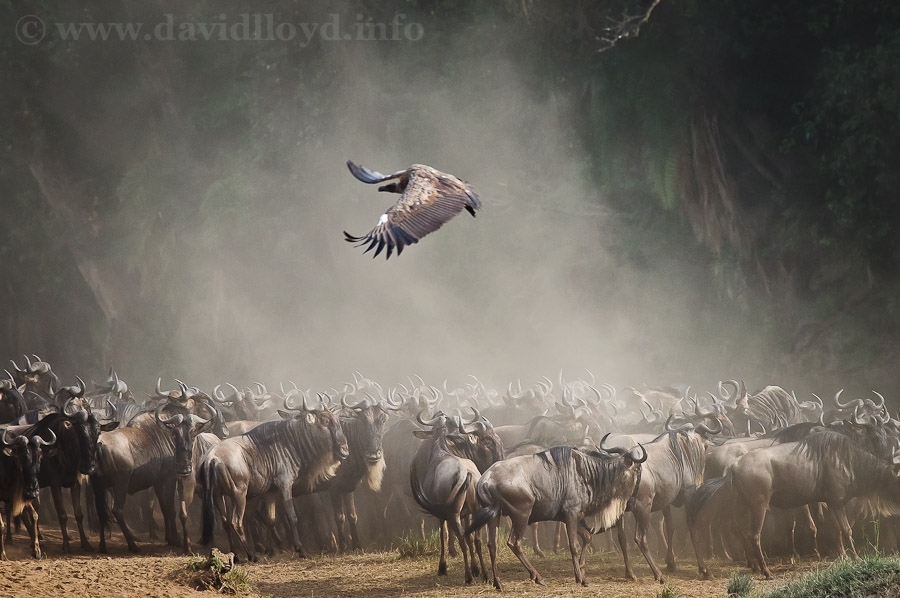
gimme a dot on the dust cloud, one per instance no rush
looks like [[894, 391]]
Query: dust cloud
[[537, 283]]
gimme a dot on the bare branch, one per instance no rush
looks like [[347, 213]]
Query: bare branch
[[624, 27]]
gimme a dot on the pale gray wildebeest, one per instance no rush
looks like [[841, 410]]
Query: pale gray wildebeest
[[674, 467], [20, 463], [266, 462], [442, 477], [575, 486], [824, 467], [137, 457]]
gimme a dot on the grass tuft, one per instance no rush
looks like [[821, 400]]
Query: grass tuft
[[740, 585], [668, 591], [870, 576], [411, 545]]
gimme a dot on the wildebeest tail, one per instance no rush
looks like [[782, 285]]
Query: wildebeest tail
[[206, 475], [697, 501], [482, 516]]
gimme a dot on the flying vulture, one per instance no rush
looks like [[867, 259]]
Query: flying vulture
[[428, 199]]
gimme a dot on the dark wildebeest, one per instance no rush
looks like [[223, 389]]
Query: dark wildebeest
[[76, 430], [560, 484], [266, 462], [675, 462], [20, 462], [824, 467]]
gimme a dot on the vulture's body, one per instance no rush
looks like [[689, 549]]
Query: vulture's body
[[428, 199]]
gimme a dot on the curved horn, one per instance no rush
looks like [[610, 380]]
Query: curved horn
[[428, 422], [704, 429], [174, 420], [15, 440], [39, 442], [881, 397], [306, 406], [837, 401], [70, 408], [634, 457]]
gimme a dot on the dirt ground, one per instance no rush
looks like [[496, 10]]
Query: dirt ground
[[160, 572]]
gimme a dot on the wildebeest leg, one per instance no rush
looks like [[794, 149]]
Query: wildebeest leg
[[236, 521], [757, 520], [456, 525], [2, 539], [493, 529], [77, 508], [811, 524], [476, 538], [535, 529], [699, 531], [442, 561], [165, 495], [184, 495], [287, 504], [571, 536], [623, 546], [120, 495], [840, 516], [641, 524], [352, 519], [518, 525], [30, 515], [340, 517], [669, 526], [557, 541], [147, 502], [60, 505]]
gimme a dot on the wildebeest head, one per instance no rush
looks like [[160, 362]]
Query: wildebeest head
[[85, 428], [364, 429], [183, 426]]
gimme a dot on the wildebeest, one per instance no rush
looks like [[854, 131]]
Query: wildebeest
[[675, 463], [363, 427], [20, 462], [266, 462], [442, 476], [138, 457], [76, 430], [824, 467], [560, 484]]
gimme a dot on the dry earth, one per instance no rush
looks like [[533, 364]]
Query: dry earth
[[160, 572]]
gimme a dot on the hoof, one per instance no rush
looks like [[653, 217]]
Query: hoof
[[584, 583], [442, 569], [671, 567], [134, 550], [87, 547]]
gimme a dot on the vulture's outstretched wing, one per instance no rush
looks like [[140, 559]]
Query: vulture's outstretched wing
[[429, 199]]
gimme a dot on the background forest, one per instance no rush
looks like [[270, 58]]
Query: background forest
[[715, 197]]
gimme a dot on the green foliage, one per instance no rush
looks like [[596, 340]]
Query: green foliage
[[867, 576], [739, 585], [218, 572], [668, 591], [411, 545]]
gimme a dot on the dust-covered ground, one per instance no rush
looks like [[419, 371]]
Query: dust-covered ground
[[161, 572]]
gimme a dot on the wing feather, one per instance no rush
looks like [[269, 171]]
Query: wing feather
[[430, 200], [370, 176]]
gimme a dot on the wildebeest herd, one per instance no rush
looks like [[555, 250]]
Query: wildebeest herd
[[260, 470]]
